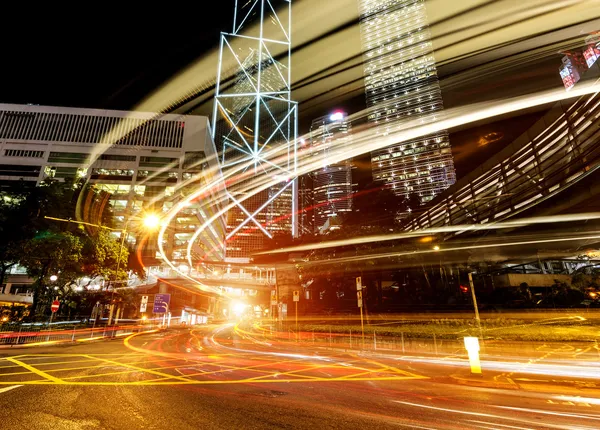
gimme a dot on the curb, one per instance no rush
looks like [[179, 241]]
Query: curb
[[484, 382]]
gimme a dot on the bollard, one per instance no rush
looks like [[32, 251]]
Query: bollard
[[19, 336], [73, 336], [374, 340], [402, 334], [329, 336], [472, 347], [435, 344]]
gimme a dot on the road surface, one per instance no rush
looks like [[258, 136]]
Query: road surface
[[224, 377]]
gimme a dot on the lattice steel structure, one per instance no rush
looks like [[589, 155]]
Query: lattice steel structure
[[401, 83], [255, 124]]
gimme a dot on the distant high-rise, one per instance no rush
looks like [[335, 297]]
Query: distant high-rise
[[401, 84], [306, 201], [332, 183]]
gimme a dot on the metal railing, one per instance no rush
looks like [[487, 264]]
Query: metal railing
[[555, 153], [31, 333]]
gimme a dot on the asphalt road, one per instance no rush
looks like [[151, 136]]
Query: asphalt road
[[228, 377]]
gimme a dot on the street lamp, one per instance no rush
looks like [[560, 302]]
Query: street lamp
[[53, 278], [150, 221]]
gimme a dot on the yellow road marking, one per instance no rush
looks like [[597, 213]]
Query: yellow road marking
[[393, 369], [292, 372], [50, 363], [14, 373], [222, 382], [126, 371], [36, 371], [104, 364], [140, 369]]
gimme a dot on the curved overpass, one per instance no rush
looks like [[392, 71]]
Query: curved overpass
[[558, 151]]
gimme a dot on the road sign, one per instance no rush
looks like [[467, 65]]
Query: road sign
[[161, 303], [55, 306], [359, 283], [144, 300], [143, 307], [296, 296], [359, 297]]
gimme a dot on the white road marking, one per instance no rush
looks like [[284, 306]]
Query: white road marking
[[12, 387]]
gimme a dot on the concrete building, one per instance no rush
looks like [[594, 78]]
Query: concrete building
[[401, 83], [144, 161]]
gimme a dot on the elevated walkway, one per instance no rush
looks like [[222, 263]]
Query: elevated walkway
[[558, 151]]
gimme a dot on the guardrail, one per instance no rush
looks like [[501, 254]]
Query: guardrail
[[33, 333]]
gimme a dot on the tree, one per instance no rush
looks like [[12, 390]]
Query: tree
[[14, 230], [101, 255], [51, 254]]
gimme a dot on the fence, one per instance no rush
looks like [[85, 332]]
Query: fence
[[31, 333]]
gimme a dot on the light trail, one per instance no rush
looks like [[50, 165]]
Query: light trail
[[365, 141], [449, 229], [449, 249], [454, 41], [479, 414]]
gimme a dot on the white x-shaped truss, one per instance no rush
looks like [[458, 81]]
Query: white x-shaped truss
[[255, 120]]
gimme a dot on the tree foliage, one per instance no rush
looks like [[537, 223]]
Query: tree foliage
[[47, 247], [51, 254]]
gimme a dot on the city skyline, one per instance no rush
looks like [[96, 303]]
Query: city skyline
[[382, 214]]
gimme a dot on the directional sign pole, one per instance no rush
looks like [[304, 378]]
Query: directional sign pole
[[54, 309], [360, 306], [296, 300], [362, 325]]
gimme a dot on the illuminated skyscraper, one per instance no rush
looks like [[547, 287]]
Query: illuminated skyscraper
[[332, 183], [255, 126], [401, 83]]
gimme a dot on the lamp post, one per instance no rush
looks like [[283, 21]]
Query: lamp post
[[150, 222], [53, 279]]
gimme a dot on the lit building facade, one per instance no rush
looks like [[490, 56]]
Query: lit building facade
[[401, 83], [306, 201], [255, 127], [332, 183], [142, 161]]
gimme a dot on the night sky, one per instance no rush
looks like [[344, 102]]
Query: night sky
[[114, 57], [106, 57]]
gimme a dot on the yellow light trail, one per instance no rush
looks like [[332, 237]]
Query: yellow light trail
[[365, 141]]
